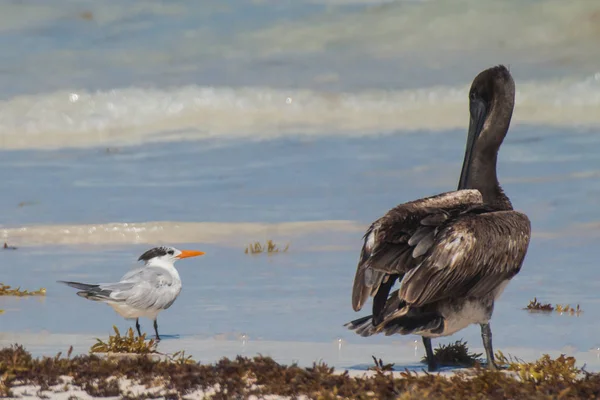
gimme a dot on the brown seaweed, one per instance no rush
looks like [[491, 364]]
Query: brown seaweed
[[455, 355], [243, 377], [270, 248], [535, 306]]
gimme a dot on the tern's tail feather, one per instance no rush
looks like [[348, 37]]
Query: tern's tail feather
[[77, 285], [92, 292]]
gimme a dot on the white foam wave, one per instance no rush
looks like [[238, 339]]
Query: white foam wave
[[314, 235], [134, 115], [171, 232]]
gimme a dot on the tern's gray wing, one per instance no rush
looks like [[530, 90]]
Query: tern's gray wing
[[145, 288]]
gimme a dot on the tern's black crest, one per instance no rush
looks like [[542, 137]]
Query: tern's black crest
[[155, 252]]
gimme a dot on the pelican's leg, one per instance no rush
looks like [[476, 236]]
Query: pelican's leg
[[486, 335], [156, 329], [137, 325], [431, 362]]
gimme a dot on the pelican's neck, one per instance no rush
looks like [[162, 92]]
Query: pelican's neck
[[166, 265], [482, 171], [483, 177]]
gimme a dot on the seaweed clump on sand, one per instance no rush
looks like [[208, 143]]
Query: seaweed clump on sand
[[6, 290], [261, 376], [455, 355], [270, 248], [127, 343], [545, 369], [535, 306], [380, 367], [567, 309]]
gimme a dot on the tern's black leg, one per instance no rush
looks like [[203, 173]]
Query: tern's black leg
[[431, 362], [486, 335], [156, 330], [137, 325]]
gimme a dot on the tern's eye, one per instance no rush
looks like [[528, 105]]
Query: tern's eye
[[171, 252]]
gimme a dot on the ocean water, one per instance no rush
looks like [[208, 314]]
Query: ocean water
[[209, 126]]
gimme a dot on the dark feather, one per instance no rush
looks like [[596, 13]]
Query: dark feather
[[431, 323], [419, 234], [435, 219], [381, 297], [389, 243], [471, 255], [424, 244], [450, 264]]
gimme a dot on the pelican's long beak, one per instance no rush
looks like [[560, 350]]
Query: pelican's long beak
[[478, 115], [190, 253]]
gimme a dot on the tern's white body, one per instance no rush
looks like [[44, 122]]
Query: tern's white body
[[146, 291]]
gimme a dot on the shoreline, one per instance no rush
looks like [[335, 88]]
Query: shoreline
[[180, 376], [403, 352]]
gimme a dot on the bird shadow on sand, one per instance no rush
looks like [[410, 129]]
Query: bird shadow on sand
[[412, 367], [168, 337]]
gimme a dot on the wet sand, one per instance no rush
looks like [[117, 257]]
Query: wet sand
[[403, 352]]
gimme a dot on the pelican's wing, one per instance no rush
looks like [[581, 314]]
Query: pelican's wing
[[469, 256], [396, 243], [144, 288]]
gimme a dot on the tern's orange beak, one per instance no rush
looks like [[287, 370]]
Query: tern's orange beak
[[190, 253]]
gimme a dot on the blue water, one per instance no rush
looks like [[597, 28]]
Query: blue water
[[105, 45], [301, 295]]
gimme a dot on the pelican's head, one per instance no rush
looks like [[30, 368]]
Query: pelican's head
[[491, 104]]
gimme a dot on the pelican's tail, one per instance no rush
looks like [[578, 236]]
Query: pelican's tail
[[91, 292], [404, 322], [393, 308], [418, 324], [362, 326]]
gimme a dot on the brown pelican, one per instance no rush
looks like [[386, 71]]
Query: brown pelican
[[452, 253]]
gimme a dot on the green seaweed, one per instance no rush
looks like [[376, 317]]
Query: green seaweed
[[546, 369], [6, 290], [567, 309], [128, 343]]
